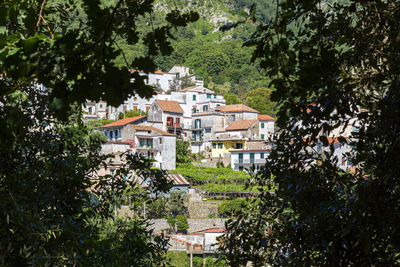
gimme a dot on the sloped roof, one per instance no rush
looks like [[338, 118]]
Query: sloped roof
[[150, 128], [123, 122], [177, 179], [236, 108], [240, 125], [263, 117], [170, 106]]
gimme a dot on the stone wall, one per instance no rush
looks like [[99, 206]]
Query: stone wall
[[202, 209]]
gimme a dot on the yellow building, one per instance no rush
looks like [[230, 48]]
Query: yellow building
[[220, 148]]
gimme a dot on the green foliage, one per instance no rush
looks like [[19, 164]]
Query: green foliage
[[158, 208], [73, 47], [230, 208], [197, 261], [182, 151], [231, 99], [213, 262], [178, 258], [194, 173], [260, 100], [182, 223], [172, 223], [330, 65], [130, 113]]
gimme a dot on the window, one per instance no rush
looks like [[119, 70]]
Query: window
[[261, 155], [343, 160], [262, 125], [116, 133], [251, 157], [135, 99], [220, 145], [240, 168], [208, 96], [134, 108], [147, 108], [194, 97], [170, 121], [197, 124], [239, 146], [215, 96], [208, 130], [214, 145], [158, 81], [262, 136], [205, 108], [177, 122], [233, 117], [124, 108], [160, 141], [194, 110], [111, 134], [101, 106]]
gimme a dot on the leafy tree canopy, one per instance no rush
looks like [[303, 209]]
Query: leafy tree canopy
[[339, 68], [260, 99]]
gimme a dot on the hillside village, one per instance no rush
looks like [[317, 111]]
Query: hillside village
[[224, 136]]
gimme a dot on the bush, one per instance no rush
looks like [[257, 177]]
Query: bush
[[212, 262], [178, 258], [182, 151], [197, 262], [182, 223], [230, 208]]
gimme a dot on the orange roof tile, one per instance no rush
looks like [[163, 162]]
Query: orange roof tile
[[262, 117], [240, 125], [123, 122], [150, 128], [170, 106], [236, 108], [159, 72]]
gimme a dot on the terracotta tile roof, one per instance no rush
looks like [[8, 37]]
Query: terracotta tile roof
[[170, 106], [262, 117], [215, 230], [159, 72], [236, 108], [240, 125], [123, 122], [150, 128]]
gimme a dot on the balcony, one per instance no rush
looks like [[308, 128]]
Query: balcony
[[250, 162], [174, 125], [197, 139]]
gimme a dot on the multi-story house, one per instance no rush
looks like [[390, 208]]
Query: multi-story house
[[148, 141], [204, 127], [244, 159], [234, 136], [154, 144], [94, 110], [237, 112], [266, 126], [167, 116], [113, 131]]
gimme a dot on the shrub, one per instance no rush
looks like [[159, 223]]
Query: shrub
[[229, 208], [182, 223]]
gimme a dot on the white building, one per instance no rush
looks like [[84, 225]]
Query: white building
[[266, 126], [244, 159]]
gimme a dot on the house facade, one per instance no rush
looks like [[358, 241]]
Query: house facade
[[113, 131], [167, 116]]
